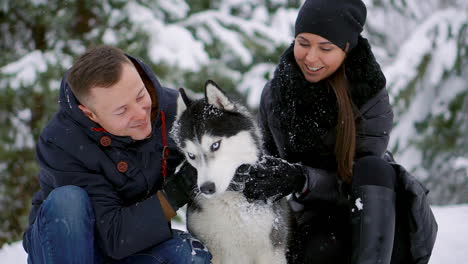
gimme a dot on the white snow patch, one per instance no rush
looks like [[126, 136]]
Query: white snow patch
[[3, 166], [282, 22], [174, 50], [433, 32], [253, 82], [13, 254], [170, 44], [358, 203], [461, 163], [214, 21], [109, 37], [23, 136], [452, 238], [38, 2], [177, 8], [26, 69]]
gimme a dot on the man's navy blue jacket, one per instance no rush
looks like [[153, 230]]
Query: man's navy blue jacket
[[120, 175]]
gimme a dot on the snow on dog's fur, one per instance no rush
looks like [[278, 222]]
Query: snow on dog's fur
[[218, 135]]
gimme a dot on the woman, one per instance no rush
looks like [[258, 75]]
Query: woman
[[327, 111]]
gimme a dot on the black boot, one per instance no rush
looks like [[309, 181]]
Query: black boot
[[373, 224]]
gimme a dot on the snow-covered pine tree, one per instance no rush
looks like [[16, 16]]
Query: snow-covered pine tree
[[424, 47], [184, 44]]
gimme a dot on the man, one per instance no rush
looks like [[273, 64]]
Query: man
[[104, 157]]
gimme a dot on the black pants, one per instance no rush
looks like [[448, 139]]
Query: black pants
[[326, 237]]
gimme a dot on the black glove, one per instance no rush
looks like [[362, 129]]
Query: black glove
[[270, 178], [180, 186]]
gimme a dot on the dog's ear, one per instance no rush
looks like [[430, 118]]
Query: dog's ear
[[215, 96], [183, 102]]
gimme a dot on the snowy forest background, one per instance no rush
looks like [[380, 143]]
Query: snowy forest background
[[422, 47]]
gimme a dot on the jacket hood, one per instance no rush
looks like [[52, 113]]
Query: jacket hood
[[68, 104]]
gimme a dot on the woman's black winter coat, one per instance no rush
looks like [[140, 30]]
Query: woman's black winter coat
[[298, 121]]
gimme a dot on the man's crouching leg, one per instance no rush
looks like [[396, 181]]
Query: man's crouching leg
[[182, 248], [63, 231]]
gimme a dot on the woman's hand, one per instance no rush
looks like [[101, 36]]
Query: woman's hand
[[270, 178]]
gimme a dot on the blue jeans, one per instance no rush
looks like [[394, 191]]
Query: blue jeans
[[182, 248], [63, 232]]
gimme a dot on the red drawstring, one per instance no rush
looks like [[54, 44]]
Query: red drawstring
[[98, 129], [165, 153]]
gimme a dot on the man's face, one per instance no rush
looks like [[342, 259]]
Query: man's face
[[123, 109]]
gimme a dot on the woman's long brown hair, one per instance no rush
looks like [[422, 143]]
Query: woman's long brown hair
[[345, 144]]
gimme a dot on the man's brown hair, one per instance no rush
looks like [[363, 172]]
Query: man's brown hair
[[99, 66]]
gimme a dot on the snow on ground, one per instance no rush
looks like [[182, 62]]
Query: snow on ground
[[452, 239], [451, 245]]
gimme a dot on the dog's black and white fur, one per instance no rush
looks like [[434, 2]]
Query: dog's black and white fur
[[218, 135]]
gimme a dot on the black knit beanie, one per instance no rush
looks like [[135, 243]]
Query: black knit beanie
[[339, 21]]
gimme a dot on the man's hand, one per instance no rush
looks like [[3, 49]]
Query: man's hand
[[270, 178], [179, 187]]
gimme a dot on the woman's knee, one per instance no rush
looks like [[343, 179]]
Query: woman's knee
[[372, 170], [68, 202], [321, 244]]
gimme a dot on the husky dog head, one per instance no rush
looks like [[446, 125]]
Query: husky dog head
[[216, 135]]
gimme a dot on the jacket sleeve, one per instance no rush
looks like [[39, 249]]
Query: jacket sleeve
[[262, 120], [122, 229], [374, 126], [423, 225], [419, 216], [320, 185]]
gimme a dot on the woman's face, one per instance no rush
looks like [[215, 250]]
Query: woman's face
[[317, 57]]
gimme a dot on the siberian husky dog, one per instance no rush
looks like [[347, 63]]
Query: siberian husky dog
[[218, 135]]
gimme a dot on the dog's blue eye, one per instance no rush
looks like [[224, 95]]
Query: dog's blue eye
[[190, 155], [215, 146]]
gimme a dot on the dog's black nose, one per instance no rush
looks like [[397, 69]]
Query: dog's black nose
[[208, 188]]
